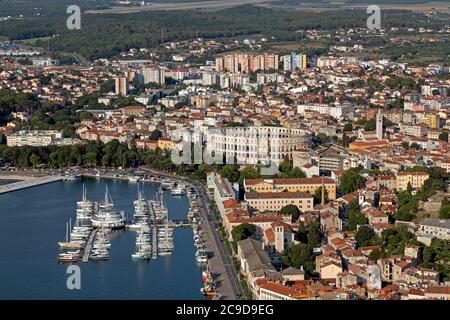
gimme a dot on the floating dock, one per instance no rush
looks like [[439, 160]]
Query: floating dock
[[154, 243], [87, 250]]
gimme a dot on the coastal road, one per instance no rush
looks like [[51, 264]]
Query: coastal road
[[216, 244]]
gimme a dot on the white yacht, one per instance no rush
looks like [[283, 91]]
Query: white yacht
[[143, 248], [141, 210], [133, 179], [178, 191], [202, 258], [85, 208], [107, 216], [69, 256]]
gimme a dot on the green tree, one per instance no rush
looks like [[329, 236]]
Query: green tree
[[351, 181], [291, 210], [314, 238], [345, 140], [287, 170], [299, 255], [155, 135], [443, 137], [318, 196], [365, 236], [91, 158], [34, 159], [354, 215], [444, 211], [248, 173], [348, 127], [302, 232], [427, 256], [375, 255], [242, 231], [230, 172]]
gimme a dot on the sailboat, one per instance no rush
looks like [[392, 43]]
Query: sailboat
[[68, 244], [165, 236], [143, 248], [85, 208]]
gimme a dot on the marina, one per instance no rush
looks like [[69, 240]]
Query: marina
[[154, 229], [168, 276]]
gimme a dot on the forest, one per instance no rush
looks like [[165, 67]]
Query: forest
[[105, 35]]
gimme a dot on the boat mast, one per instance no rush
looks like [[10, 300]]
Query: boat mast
[[84, 193], [106, 197]]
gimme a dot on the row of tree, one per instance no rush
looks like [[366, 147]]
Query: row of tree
[[112, 154]]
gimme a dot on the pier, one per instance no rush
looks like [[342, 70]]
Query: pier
[[175, 224], [154, 244], [15, 186], [87, 250]]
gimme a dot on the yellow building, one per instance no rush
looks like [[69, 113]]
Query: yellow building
[[432, 120], [416, 179], [433, 135], [166, 144], [309, 185], [275, 201]]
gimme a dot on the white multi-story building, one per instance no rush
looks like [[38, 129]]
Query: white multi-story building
[[256, 145], [412, 130], [154, 74], [37, 138], [328, 62], [439, 228], [335, 110]]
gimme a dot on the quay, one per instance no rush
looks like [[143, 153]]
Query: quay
[[175, 224], [87, 250], [221, 265], [154, 244], [15, 186]]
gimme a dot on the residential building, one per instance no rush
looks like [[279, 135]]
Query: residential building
[[309, 185], [275, 201], [121, 86], [415, 179], [439, 228]]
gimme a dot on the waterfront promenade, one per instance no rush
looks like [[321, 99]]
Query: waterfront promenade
[[24, 184], [222, 268]]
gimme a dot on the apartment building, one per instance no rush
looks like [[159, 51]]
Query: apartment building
[[309, 185], [439, 228], [275, 201], [412, 130], [121, 86], [416, 179], [36, 138], [154, 74], [246, 63], [335, 110], [222, 191]]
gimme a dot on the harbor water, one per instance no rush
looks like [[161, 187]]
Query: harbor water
[[32, 222]]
